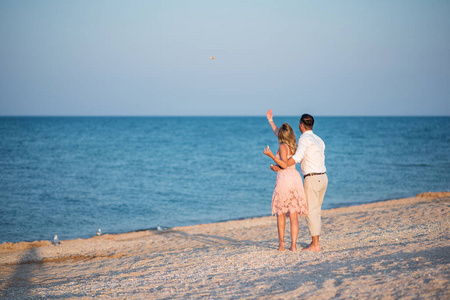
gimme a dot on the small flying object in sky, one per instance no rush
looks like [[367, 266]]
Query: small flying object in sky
[[212, 57]]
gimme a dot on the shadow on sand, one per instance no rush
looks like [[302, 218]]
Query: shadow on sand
[[20, 284], [215, 240]]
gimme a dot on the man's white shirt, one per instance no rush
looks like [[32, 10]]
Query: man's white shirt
[[310, 153]]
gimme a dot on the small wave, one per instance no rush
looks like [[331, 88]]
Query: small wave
[[412, 165]]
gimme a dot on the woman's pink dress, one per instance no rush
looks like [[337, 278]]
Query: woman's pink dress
[[289, 194]]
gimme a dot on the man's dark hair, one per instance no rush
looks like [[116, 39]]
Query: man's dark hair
[[308, 121]]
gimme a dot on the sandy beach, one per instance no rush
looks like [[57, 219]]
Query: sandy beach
[[391, 249]]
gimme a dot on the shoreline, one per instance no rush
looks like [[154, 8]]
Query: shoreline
[[389, 249], [36, 242]]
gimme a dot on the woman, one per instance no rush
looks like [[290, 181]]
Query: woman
[[289, 195]]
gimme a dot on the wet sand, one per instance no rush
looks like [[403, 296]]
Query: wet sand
[[392, 249]]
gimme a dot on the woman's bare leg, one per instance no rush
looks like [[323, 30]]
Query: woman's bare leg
[[294, 230], [281, 222]]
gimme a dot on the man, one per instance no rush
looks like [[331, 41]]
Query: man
[[310, 154]]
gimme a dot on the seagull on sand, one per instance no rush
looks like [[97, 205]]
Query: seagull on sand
[[56, 240], [99, 231]]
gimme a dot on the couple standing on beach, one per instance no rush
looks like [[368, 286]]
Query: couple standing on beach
[[289, 195]]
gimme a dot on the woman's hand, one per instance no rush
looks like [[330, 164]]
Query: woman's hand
[[268, 152], [275, 168], [269, 115]]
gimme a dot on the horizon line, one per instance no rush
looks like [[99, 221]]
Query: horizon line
[[206, 116]]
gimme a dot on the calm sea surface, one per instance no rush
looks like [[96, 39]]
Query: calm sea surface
[[70, 176]]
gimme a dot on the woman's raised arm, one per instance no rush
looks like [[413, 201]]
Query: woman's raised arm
[[272, 124]]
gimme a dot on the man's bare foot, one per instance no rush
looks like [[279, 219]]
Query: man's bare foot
[[312, 247], [281, 248], [293, 248]]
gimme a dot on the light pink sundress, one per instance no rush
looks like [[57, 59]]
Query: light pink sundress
[[289, 194]]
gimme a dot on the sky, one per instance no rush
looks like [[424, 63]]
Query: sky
[[152, 58]]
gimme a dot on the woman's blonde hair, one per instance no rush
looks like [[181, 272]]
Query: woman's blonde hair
[[287, 136]]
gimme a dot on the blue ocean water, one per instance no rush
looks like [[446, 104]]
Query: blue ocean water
[[71, 175]]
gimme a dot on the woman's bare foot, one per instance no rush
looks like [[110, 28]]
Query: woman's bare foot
[[281, 248], [293, 248]]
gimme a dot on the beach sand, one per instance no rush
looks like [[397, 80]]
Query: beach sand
[[391, 249]]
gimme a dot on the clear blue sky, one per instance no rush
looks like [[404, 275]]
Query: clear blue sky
[[153, 57]]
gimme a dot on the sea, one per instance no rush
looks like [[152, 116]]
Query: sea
[[70, 176]]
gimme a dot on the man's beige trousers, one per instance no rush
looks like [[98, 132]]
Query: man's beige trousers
[[315, 188]]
